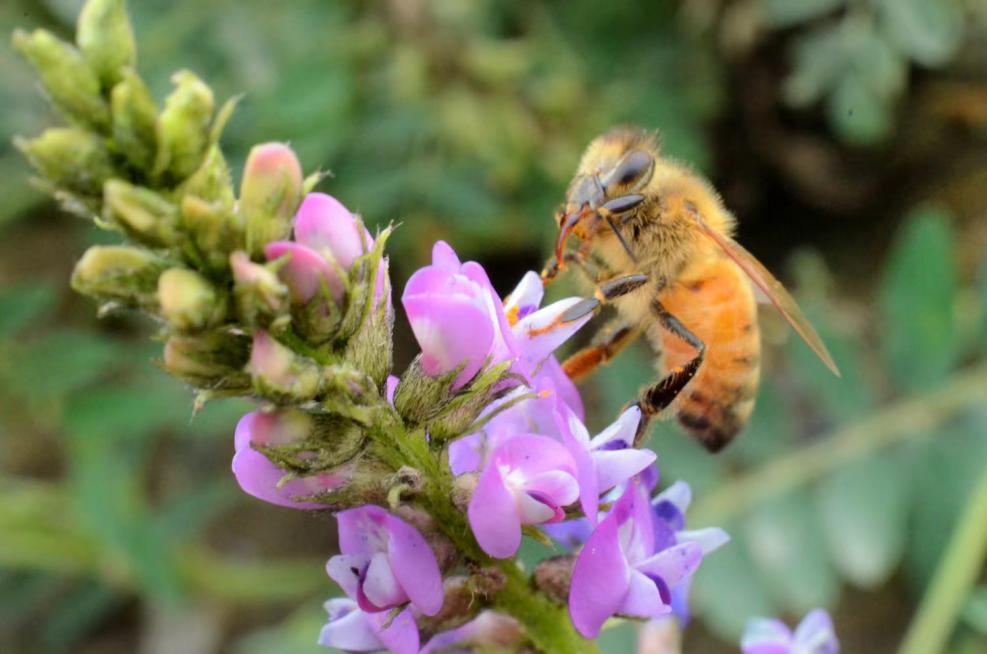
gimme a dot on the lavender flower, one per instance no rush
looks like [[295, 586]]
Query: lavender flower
[[448, 306], [259, 477], [351, 630], [459, 320], [814, 635], [620, 570], [526, 481], [385, 562], [606, 460]]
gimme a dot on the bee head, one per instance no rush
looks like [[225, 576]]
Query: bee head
[[605, 189]]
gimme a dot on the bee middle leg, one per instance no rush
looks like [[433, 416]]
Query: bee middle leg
[[658, 397], [611, 340], [605, 292]]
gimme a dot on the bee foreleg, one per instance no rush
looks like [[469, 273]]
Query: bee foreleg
[[611, 342], [656, 398], [590, 265]]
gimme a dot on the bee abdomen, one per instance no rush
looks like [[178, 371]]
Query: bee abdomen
[[718, 306], [715, 419]]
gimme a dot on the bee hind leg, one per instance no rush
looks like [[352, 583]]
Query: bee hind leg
[[657, 398]]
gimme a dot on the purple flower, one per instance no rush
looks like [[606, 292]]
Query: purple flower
[[620, 570], [535, 415], [261, 478], [814, 635], [527, 481], [328, 239], [458, 319], [668, 509], [385, 562], [448, 306], [529, 335], [606, 460], [351, 630]]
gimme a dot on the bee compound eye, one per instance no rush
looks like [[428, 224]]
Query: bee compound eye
[[632, 170]]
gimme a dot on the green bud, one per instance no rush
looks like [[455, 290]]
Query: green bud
[[143, 214], [214, 360], [135, 121], [214, 229], [280, 374], [212, 182], [71, 84], [269, 194], [261, 298], [69, 158], [188, 301], [119, 273], [184, 126], [106, 39]]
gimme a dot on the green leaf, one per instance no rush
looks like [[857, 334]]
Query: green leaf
[[928, 31], [864, 511], [117, 412], [57, 364], [22, 304], [944, 471], [728, 591], [818, 63], [975, 613], [296, 635], [916, 301], [785, 13], [77, 615], [786, 543], [858, 113]]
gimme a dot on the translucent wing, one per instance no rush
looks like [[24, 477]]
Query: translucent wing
[[773, 290]]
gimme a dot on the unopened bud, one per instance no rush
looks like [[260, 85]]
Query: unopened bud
[[213, 228], [463, 488], [212, 181], [143, 214], [71, 84], [69, 158], [553, 577], [214, 360], [189, 301], [106, 39], [260, 295], [119, 273], [184, 126], [279, 373], [269, 194], [135, 121]]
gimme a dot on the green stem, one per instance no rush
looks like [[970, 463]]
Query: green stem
[[910, 419], [955, 577]]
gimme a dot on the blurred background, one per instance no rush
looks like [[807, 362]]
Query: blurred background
[[849, 137]]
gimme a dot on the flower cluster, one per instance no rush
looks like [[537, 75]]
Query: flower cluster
[[280, 293]]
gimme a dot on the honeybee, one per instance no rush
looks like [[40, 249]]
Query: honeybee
[[656, 241]]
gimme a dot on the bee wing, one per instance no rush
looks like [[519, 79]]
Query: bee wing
[[766, 283]]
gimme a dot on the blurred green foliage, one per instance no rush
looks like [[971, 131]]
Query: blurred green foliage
[[463, 121]]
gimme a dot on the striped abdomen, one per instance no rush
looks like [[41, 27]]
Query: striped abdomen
[[715, 301]]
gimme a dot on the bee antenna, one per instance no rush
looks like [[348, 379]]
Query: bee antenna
[[620, 237]]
